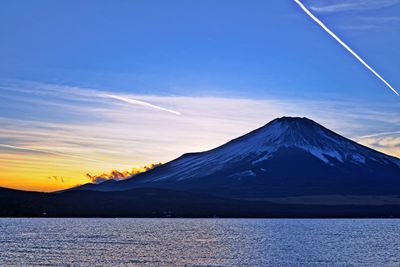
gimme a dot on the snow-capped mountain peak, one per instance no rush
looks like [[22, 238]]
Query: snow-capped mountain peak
[[288, 156], [294, 132]]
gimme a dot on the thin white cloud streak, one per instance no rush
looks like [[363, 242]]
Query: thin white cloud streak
[[392, 19], [137, 102], [320, 23], [47, 152], [373, 23], [379, 134], [87, 94], [359, 27], [352, 5]]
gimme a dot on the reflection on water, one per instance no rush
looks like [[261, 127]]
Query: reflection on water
[[199, 242]]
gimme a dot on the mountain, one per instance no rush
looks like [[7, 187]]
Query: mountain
[[291, 167], [287, 158]]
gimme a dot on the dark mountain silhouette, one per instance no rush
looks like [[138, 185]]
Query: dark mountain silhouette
[[291, 167], [286, 157]]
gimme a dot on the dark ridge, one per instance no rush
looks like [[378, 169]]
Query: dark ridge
[[160, 203]]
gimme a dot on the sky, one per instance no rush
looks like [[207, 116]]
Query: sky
[[93, 86]]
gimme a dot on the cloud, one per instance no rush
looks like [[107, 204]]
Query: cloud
[[340, 41], [86, 95], [380, 134], [324, 6], [56, 178], [388, 142], [69, 121], [120, 175], [36, 150], [393, 19], [359, 27], [368, 23]]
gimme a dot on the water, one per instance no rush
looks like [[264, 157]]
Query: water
[[199, 242]]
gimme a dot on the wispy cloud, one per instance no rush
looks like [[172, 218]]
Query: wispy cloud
[[388, 142], [366, 23], [392, 19], [49, 130], [359, 27], [361, 18], [50, 152], [84, 94], [380, 134], [56, 178], [350, 5]]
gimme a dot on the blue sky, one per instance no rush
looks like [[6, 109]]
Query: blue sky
[[235, 48], [78, 78]]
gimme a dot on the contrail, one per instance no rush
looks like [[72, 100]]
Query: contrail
[[138, 102], [88, 93], [308, 12], [48, 152]]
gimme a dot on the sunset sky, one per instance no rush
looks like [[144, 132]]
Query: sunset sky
[[92, 86]]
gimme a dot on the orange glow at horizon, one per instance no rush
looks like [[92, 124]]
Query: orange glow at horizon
[[61, 133], [48, 173]]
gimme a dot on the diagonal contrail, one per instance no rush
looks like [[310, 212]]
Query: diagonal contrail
[[308, 12], [138, 102]]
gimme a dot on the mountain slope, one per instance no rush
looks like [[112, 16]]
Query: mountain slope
[[286, 157]]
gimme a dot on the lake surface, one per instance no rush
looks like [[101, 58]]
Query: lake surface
[[199, 242]]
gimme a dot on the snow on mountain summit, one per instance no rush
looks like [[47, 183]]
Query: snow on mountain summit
[[296, 132], [263, 143]]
